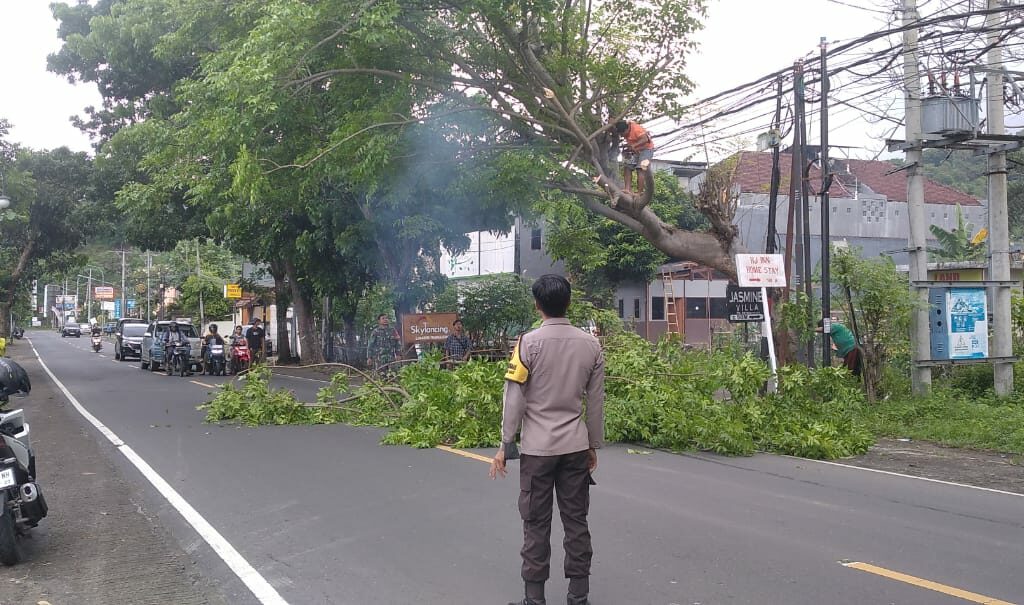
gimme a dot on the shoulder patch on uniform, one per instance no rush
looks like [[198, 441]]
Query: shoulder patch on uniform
[[517, 371]]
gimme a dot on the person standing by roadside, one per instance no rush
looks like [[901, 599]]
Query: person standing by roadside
[[457, 346], [552, 369], [255, 337], [382, 347]]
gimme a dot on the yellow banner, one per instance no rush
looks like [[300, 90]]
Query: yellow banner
[[232, 291]]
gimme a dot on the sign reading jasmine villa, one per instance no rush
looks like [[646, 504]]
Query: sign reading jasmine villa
[[744, 304], [760, 271], [422, 328]]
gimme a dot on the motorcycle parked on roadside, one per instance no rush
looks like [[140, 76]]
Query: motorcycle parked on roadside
[[240, 357], [178, 359], [22, 505], [216, 363]]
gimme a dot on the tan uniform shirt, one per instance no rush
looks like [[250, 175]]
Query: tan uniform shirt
[[565, 366]]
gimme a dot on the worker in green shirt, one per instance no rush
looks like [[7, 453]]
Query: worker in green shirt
[[845, 345]]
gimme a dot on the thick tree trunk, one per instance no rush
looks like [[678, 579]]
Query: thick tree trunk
[[308, 342], [12, 288], [5, 320], [281, 298]]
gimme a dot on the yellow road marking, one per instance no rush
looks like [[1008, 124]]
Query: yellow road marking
[[203, 384], [464, 453], [922, 583]]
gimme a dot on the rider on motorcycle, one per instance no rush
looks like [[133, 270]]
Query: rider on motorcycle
[[173, 337], [96, 330], [210, 338]]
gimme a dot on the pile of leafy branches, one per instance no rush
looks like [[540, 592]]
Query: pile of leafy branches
[[256, 403], [662, 396]]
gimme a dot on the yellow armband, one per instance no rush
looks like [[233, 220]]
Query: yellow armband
[[517, 371]]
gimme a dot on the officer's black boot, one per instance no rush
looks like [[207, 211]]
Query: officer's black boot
[[579, 588], [534, 595]]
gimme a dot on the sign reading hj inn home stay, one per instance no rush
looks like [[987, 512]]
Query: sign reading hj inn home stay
[[760, 271]]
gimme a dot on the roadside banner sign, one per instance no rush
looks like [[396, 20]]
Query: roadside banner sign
[[108, 306], [130, 303], [103, 293], [760, 271], [744, 305], [422, 328], [232, 291], [764, 271], [117, 309], [968, 323]]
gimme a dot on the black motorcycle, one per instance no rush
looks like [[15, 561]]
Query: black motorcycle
[[22, 505], [216, 361], [177, 358]]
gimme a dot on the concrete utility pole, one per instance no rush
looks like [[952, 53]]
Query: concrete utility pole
[[920, 376], [805, 206], [826, 183], [998, 220]]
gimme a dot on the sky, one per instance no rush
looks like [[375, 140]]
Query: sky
[[742, 40], [38, 103]]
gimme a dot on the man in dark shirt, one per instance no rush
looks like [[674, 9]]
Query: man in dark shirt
[[255, 337], [456, 346]]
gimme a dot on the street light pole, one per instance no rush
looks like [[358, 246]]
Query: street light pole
[[124, 309]]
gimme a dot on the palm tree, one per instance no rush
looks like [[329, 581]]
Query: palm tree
[[958, 244]]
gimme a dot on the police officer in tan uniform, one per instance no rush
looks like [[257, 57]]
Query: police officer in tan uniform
[[554, 396]]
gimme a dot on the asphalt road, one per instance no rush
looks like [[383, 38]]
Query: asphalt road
[[326, 515]]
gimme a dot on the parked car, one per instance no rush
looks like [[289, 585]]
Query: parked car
[[152, 356], [109, 327], [71, 328], [86, 328], [128, 340]]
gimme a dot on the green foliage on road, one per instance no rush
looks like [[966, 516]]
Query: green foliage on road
[[661, 395], [256, 403]]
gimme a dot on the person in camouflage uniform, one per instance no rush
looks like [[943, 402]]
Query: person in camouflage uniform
[[382, 347]]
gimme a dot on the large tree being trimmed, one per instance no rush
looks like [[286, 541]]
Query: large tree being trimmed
[[555, 76]]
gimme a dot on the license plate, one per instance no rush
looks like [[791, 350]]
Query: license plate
[[6, 478]]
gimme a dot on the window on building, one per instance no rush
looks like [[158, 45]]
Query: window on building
[[719, 308], [834, 209], [657, 308], [849, 210], [535, 238], [945, 215], [707, 308], [636, 308], [622, 308], [696, 308], [897, 213]]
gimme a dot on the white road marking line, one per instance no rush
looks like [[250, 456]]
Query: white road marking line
[[299, 377], [894, 474], [261, 589]]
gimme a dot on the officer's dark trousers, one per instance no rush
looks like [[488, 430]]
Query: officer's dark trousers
[[540, 479]]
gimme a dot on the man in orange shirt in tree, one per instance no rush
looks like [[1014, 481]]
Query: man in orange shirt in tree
[[638, 145]]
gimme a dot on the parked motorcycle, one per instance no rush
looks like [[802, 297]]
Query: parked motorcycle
[[18, 333], [97, 343], [240, 357], [178, 359], [215, 361], [22, 505]]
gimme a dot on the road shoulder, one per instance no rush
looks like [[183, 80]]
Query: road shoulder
[[99, 544]]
